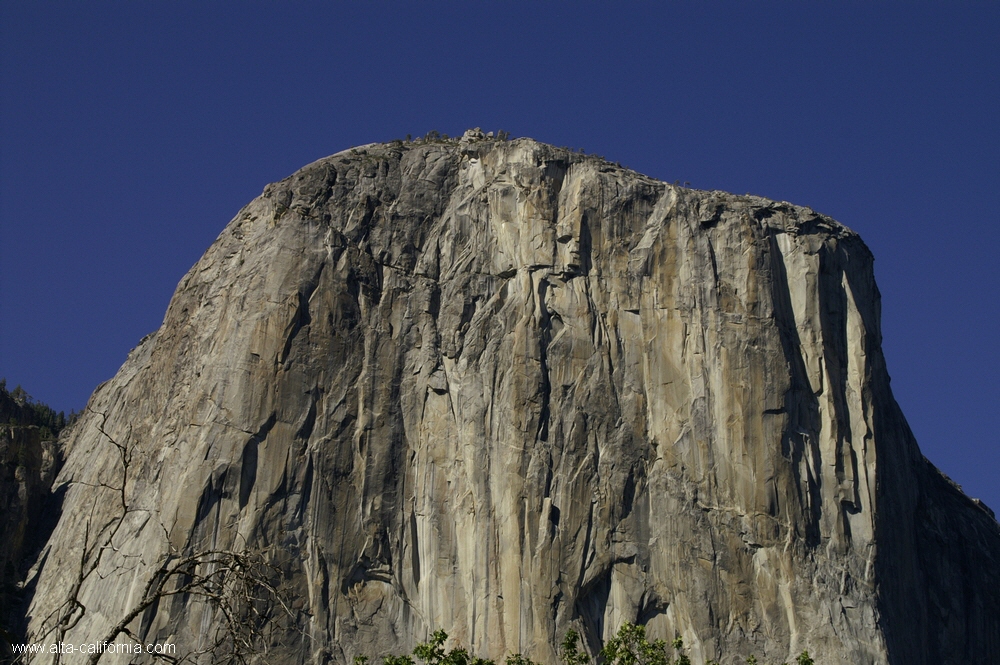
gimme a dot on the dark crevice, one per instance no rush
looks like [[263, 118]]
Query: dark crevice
[[628, 497], [590, 607], [307, 483], [799, 440], [545, 387], [306, 430], [248, 468], [301, 318]]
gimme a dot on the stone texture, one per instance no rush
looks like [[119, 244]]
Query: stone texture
[[28, 466], [504, 389]]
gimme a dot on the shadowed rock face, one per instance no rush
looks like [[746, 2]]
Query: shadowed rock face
[[28, 466], [506, 390]]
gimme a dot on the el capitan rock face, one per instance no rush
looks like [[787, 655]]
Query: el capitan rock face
[[505, 390]]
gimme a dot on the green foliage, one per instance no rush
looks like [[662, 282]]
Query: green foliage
[[396, 660], [518, 659], [570, 653], [682, 658], [629, 646], [433, 653]]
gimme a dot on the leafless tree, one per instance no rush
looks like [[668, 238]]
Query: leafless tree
[[242, 587]]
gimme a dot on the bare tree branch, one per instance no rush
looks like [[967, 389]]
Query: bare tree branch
[[242, 587]]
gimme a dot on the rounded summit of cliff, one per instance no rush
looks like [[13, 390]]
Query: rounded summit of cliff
[[520, 180]]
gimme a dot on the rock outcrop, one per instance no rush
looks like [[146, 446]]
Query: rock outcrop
[[29, 461], [505, 390]]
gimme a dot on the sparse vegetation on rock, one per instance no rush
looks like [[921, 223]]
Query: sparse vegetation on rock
[[629, 646]]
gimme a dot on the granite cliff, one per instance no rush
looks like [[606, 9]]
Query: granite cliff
[[505, 389], [29, 461]]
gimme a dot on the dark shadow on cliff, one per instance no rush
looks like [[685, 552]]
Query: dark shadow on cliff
[[16, 594], [949, 613], [800, 439]]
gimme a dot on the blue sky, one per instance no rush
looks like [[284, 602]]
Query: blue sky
[[131, 132]]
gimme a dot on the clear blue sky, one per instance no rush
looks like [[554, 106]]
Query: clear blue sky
[[133, 131]]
